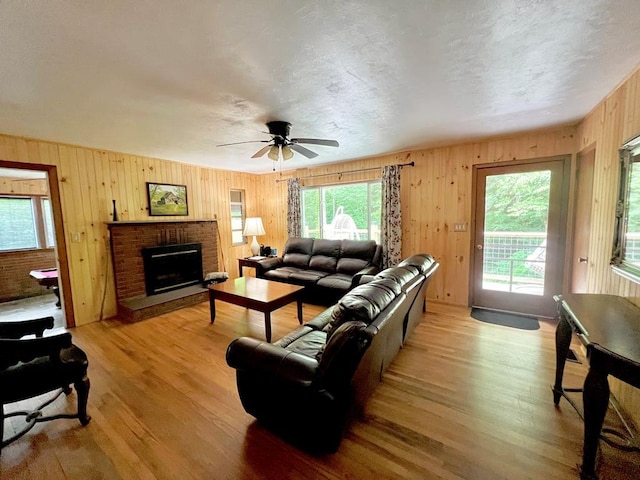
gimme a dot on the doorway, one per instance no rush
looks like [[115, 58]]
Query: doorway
[[520, 213], [48, 236]]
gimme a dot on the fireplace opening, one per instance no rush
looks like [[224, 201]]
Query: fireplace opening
[[170, 267]]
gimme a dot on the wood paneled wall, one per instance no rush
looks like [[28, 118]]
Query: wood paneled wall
[[612, 122], [89, 179], [436, 193], [23, 186]]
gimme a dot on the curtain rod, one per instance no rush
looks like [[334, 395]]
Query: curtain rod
[[410, 164]]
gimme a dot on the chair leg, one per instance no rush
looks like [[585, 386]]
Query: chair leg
[[82, 389]]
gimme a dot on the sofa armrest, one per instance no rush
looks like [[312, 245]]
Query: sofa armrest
[[368, 271], [267, 264], [250, 354]]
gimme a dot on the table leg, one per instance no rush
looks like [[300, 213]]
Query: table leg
[[267, 326], [299, 311], [212, 306], [595, 398], [563, 340], [240, 270], [56, 291]]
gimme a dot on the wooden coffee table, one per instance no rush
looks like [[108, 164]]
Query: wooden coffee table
[[257, 294]]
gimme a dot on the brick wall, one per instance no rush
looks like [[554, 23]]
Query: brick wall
[[129, 238], [15, 281]]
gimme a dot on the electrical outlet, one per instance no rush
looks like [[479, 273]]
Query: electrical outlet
[[75, 237], [459, 227]]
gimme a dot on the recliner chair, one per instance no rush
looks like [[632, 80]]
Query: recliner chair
[[33, 366]]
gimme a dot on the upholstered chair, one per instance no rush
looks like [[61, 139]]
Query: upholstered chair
[[32, 364]]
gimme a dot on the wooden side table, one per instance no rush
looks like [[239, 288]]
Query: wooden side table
[[248, 262]]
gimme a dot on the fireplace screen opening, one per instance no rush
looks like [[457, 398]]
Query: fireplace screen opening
[[171, 267]]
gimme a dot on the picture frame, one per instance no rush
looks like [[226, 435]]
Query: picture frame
[[166, 199]]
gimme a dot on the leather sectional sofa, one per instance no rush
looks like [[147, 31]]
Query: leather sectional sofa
[[306, 385], [326, 268]]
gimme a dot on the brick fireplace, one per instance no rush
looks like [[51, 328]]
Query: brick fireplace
[[127, 241]]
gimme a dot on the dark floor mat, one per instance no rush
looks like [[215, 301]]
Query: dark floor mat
[[513, 320]]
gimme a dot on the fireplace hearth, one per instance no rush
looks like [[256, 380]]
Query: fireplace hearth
[[170, 267], [130, 238]]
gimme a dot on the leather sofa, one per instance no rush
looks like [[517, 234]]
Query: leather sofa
[[307, 385], [326, 268]]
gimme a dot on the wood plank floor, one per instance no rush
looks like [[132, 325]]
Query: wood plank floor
[[463, 400]]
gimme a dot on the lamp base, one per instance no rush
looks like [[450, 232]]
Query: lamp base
[[255, 247]]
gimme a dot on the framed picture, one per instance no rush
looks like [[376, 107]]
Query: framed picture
[[167, 199]]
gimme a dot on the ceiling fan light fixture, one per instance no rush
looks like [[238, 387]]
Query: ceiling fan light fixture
[[287, 153], [273, 153]]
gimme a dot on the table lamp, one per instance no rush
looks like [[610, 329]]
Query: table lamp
[[253, 226]]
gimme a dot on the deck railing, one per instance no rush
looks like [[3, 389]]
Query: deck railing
[[514, 261]]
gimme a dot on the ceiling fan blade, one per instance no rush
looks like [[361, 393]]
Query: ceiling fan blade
[[316, 141], [261, 152], [238, 143], [304, 151]]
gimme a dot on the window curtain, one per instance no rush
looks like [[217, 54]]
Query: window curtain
[[391, 232], [294, 226]]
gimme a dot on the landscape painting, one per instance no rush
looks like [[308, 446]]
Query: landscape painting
[[167, 199]]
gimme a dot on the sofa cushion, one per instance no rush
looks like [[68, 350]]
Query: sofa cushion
[[293, 335], [420, 261], [326, 248], [299, 245], [336, 281], [355, 255], [340, 356], [400, 275], [363, 303], [321, 320], [297, 252], [324, 263], [280, 274], [307, 277], [298, 260], [309, 344]]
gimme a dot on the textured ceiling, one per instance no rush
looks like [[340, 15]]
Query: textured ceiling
[[173, 79]]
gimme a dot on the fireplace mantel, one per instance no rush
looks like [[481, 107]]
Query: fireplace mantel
[[153, 222]]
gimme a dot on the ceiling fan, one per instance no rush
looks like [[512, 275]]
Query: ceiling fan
[[281, 145]]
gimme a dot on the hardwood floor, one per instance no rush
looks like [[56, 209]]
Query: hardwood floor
[[463, 400]]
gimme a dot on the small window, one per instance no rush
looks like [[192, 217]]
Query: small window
[[17, 224], [236, 198]]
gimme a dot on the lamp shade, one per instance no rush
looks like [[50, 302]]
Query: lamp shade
[[253, 226], [273, 153], [287, 153]]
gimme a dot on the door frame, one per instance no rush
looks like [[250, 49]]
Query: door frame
[[61, 246], [578, 185], [563, 216]]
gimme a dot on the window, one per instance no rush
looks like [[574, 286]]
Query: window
[[47, 218], [626, 245], [350, 211], [25, 223], [236, 198]]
